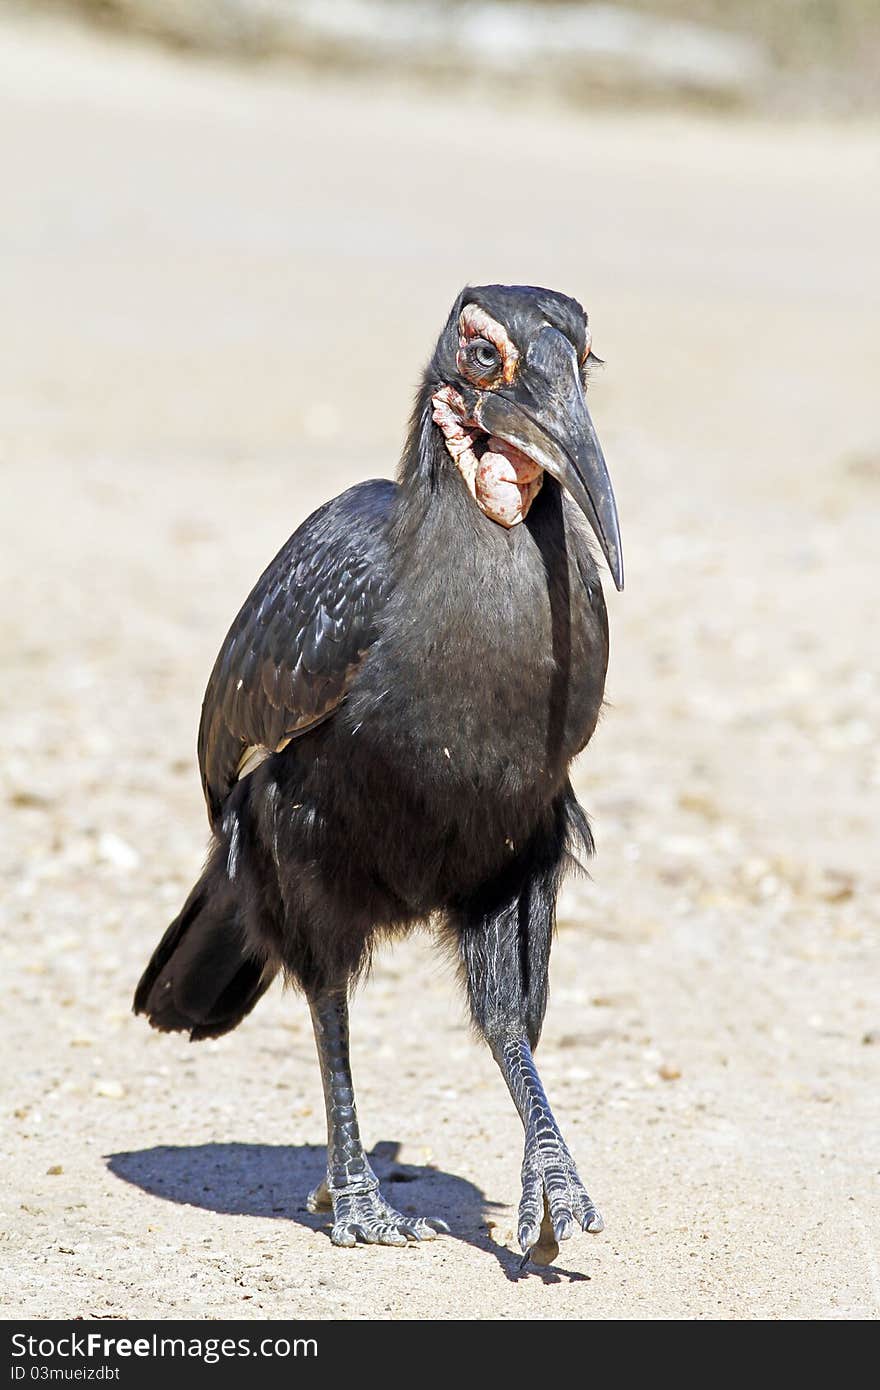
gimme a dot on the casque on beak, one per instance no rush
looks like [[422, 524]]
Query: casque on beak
[[544, 414]]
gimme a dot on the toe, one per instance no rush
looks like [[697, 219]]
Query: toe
[[343, 1235], [425, 1227], [389, 1235], [587, 1215], [546, 1248], [528, 1234], [418, 1230], [319, 1199], [530, 1211]]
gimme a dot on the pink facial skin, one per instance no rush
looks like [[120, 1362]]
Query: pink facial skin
[[503, 482], [449, 413], [507, 483], [476, 323]]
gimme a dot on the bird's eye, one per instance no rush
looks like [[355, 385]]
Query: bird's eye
[[485, 354]]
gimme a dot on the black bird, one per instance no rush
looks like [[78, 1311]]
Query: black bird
[[387, 733]]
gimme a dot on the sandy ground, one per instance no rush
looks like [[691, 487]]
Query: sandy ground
[[217, 292]]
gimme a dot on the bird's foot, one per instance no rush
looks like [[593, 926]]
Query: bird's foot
[[361, 1213], [554, 1201]]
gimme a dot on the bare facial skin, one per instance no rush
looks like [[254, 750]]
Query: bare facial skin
[[474, 322], [502, 481], [507, 482]]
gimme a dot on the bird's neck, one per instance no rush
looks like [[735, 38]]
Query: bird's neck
[[423, 475], [437, 522]]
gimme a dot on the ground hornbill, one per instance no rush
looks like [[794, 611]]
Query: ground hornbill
[[387, 732]]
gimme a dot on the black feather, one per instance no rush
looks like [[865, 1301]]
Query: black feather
[[201, 977], [263, 686], [435, 674]]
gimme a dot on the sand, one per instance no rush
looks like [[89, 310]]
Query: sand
[[218, 287]]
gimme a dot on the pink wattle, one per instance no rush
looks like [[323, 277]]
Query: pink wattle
[[506, 482]]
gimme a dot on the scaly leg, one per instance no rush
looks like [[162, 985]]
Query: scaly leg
[[351, 1189], [554, 1200], [504, 943]]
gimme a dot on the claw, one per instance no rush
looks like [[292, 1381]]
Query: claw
[[563, 1226], [420, 1230], [528, 1236]]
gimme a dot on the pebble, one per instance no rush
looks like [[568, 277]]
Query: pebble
[[110, 1090]]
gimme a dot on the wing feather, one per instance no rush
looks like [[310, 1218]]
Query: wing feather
[[289, 657]]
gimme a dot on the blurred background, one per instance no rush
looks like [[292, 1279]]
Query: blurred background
[[804, 56], [231, 233]]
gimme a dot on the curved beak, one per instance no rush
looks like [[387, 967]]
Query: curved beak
[[544, 414]]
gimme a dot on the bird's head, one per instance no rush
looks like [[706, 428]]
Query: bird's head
[[507, 387]]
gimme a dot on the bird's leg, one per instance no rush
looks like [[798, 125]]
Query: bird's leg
[[504, 944], [351, 1188], [554, 1200]]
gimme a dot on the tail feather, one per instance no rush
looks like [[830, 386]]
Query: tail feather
[[201, 978]]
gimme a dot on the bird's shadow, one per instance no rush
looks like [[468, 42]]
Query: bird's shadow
[[273, 1180]]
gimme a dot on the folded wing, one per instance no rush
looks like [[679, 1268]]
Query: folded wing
[[290, 655]]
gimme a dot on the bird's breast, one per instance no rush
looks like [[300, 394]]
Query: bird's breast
[[488, 673]]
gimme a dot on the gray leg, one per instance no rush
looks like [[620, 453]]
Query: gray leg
[[352, 1189], [554, 1200], [504, 942]]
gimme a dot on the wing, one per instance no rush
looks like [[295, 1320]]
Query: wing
[[291, 652]]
